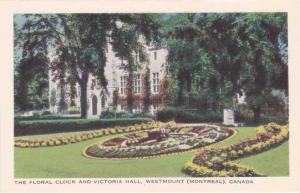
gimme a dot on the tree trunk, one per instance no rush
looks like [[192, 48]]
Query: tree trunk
[[180, 93], [257, 112], [146, 90], [130, 92], [62, 101], [130, 84], [83, 96], [73, 92], [83, 100], [188, 81]]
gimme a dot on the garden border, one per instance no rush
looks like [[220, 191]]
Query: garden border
[[192, 168]]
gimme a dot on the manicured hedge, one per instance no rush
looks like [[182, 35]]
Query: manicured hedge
[[55, 126], [46, 117], [112, 114], [185, 116], [65, 139]]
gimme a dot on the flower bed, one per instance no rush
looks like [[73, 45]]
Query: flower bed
[[216, 161], [158, 141], [82, 136]]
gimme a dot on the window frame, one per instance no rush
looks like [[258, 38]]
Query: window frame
[[123, 81], [137, 84], [155, 82]]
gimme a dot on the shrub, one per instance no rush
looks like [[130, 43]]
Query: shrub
[[78, 137], [44, 144], [46, 113], [36, 114], [181, 115], [110, 114], [45, 117], [54, 126], [74, 110], [244, 114], [57, 142]]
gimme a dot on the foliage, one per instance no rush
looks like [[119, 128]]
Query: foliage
[[74, 110], [80, 136], [273, 111], [188, 115], [77, 45], [43, 116], [54, 126], [212, 56], [108, 114], [221, 55], [31, 82]]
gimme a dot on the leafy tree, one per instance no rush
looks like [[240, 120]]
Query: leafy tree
[[267, 66], [32, 83], [77, 43], [237, 53]]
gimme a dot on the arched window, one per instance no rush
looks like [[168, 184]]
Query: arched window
[[103, 101]]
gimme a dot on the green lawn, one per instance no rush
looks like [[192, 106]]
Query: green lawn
[[273, 163], [67, 161]]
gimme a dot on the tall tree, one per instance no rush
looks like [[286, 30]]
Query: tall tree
[[267, 41], [77, 42], [243, 53]]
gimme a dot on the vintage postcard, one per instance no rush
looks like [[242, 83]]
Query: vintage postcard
[[153, 96]]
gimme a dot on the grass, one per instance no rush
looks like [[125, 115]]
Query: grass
[[274, 162], [67, 161]]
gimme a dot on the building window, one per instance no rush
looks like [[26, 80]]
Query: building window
[[137, 108], [137, 84], [155, 82], [58, 90], [103, 101], [155, 55], [123, 63], [123, 85]]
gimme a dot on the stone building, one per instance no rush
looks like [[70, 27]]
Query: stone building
[[116, 76]]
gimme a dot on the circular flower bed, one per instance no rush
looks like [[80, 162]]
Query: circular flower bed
[[158, 141]]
